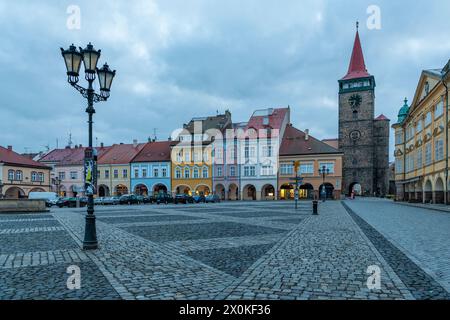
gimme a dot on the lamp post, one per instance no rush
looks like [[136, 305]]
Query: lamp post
[[324, 171], [446, 81], [89, 56]]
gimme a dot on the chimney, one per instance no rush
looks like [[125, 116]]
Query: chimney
[[102, 145], [9, 148], [307, 134], [170, 139], [135, 143]]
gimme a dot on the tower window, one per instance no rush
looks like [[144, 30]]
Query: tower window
[[355, 114]]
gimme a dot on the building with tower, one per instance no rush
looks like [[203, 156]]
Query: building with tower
[[363, 139]]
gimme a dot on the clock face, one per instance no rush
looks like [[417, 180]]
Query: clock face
[[355, 101], [355, 135]]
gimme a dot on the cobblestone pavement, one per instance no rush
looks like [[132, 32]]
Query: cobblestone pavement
[[232, 250], [423, 235]]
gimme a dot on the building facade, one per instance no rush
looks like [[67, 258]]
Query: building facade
[[363, 140], [420, 142], [312, 155], [114, 170], [20, 175], [258, 153], [151, 169], [192, 154]]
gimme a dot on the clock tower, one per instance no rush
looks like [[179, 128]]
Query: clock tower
[[361, 137]]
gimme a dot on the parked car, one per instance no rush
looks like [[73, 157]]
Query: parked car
[[199, 198], [149, 199], [183, 198], [129, 199], [164, 198], [72, 202], [98, 201], [111, 201], [212, 198]]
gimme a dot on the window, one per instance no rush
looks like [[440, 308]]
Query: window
[[106, 174], [205, 172], [428, 119], [34, 176], [419, 158], [196, 173], [73, 175], [144, 173], [187, 156], [219, 171], [419, 126], [116, 174], [306, 168], [409, 161], [249, 171], [61, 176], [398, 166], [206, 156], [197, 157], [10, 175], [398, 137], [266, 170], [428, 153], [439, 108], [409, 132], [328, 165], [219, 153], [19, 175], [178, 173], [179, 156], [41, 177], [233, 171], [164, 172], [125, 173], [156, 172], [286, 169], [439, 149], [267, 151], [247, 152], [187, 173]]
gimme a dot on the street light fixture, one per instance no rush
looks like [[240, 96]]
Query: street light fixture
[[324, 171], [446, 81], [89, 56]]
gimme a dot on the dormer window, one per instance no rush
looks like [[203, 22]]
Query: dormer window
[[427, 87]]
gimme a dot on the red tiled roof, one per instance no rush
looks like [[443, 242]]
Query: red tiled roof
[[70, 156], [357, 67], [294, 143], [332, 142], [120, 154], [275, 120], [12, 158], [382, 117], [154, 152]]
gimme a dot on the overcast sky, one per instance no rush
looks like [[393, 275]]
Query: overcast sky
[[176, 59]]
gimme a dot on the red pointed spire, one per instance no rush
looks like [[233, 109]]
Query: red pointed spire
[[357, 68]]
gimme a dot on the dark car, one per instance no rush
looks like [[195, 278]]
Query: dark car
[[72, 202], [212, 198], [183, 198], [129, 199], [164, 198], [149, 199], [199, 198]]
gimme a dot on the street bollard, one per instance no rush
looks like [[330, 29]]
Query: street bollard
[[315, 205]]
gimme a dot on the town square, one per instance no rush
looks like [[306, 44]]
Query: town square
[[163, 150]]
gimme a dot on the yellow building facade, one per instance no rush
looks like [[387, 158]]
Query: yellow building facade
[[421, 147], [191, 169]]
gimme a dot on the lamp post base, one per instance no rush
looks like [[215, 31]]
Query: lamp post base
[[90, 235]]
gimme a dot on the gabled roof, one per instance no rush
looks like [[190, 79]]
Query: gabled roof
[[357, 67], [69, 156], [294, 143], [267, 119], [382, 117], [10, 157], [435, 75], [120, 154], [154, 152], [220, 122]]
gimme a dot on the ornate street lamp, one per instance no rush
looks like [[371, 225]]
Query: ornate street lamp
[[90, 58], [446, 81], [324, 171]]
